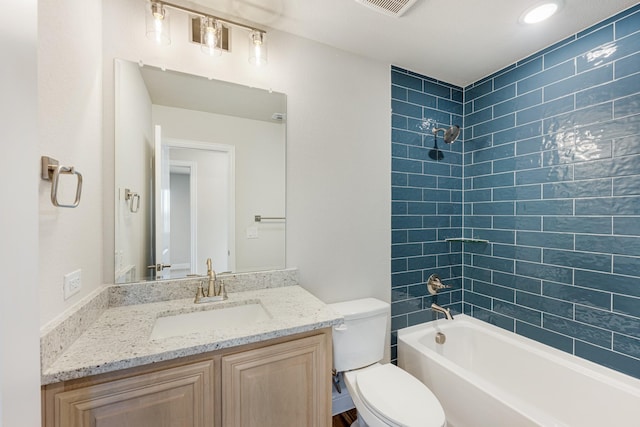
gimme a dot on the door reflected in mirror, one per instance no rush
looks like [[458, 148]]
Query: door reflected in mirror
[[205, 157]]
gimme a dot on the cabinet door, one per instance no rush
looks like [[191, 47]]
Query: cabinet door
[[281, 385], [176, 397]]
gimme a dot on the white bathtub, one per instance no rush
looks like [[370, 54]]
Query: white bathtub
[[487, 377]]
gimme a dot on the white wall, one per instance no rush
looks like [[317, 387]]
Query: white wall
[[133, 169], [338, 150], [19, 327], [70, 130]]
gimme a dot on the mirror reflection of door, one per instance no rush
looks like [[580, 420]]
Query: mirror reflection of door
[[199, 211], [183, 205]]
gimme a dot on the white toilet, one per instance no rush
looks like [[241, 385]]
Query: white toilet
[[384, 395]]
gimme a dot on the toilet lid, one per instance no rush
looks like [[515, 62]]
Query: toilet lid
[[399, 398]]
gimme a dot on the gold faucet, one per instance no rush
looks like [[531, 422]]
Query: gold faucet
[[445, 311], [211, 277], [211, 294]]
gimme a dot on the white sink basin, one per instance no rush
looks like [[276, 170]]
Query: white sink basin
[[208, 320]]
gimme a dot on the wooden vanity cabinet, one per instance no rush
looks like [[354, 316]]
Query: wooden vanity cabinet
[[172, 397], [277, 385], [281, 382]]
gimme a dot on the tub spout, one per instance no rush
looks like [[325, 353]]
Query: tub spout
[[445, 311]]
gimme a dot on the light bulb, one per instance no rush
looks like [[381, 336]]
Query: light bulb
[[257, 48], [210, 31], [158, 24]]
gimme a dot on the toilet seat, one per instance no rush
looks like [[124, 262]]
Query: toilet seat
[[398, 398]]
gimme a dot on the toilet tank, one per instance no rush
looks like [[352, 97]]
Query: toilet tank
[[359, 342]]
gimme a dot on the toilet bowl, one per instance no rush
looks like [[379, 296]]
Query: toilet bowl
[[383, 394]]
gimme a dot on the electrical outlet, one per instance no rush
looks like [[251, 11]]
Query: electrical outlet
[[72, 283]]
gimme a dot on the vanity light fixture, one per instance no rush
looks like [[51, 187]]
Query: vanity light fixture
[[213, 34], [540, 12]]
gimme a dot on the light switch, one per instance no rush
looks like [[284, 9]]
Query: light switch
[[252, 232]]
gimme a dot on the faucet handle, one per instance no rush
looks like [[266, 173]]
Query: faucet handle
[[434, 284], [199, 293], [223, 290]]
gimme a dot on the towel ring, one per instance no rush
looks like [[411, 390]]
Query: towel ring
[[133, 198], [51, 171]]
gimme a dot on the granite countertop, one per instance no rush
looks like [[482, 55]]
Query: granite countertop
[[120, 337]]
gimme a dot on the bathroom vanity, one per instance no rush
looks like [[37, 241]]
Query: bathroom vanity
[[273, 371], [275, 383]]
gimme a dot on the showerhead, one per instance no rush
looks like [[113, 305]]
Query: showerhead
[[450, 135]]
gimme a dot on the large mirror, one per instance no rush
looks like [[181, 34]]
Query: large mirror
[[199, 173]]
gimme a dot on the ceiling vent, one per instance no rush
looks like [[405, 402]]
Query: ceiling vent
[[389, 7]]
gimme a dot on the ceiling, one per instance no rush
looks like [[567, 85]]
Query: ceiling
[[179, 90], [456, 41]]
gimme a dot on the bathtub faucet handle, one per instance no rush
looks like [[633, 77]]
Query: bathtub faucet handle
[[434, 284]]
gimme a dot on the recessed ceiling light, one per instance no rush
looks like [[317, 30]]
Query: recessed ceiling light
[[540, 12]]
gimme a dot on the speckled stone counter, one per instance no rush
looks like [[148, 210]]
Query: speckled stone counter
[[120, 337]]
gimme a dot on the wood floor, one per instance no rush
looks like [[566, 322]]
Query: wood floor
[[345, 419]]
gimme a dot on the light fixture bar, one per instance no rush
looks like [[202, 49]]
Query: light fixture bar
[[206, 15], [196, 34]]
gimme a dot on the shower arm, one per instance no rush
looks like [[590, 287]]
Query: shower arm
[[449, 135]]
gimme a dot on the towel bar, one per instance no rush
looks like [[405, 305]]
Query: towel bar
[[260, 218]]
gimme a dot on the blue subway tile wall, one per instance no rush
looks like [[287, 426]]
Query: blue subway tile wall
[[426, 196], [549, 173], [559, 159]]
